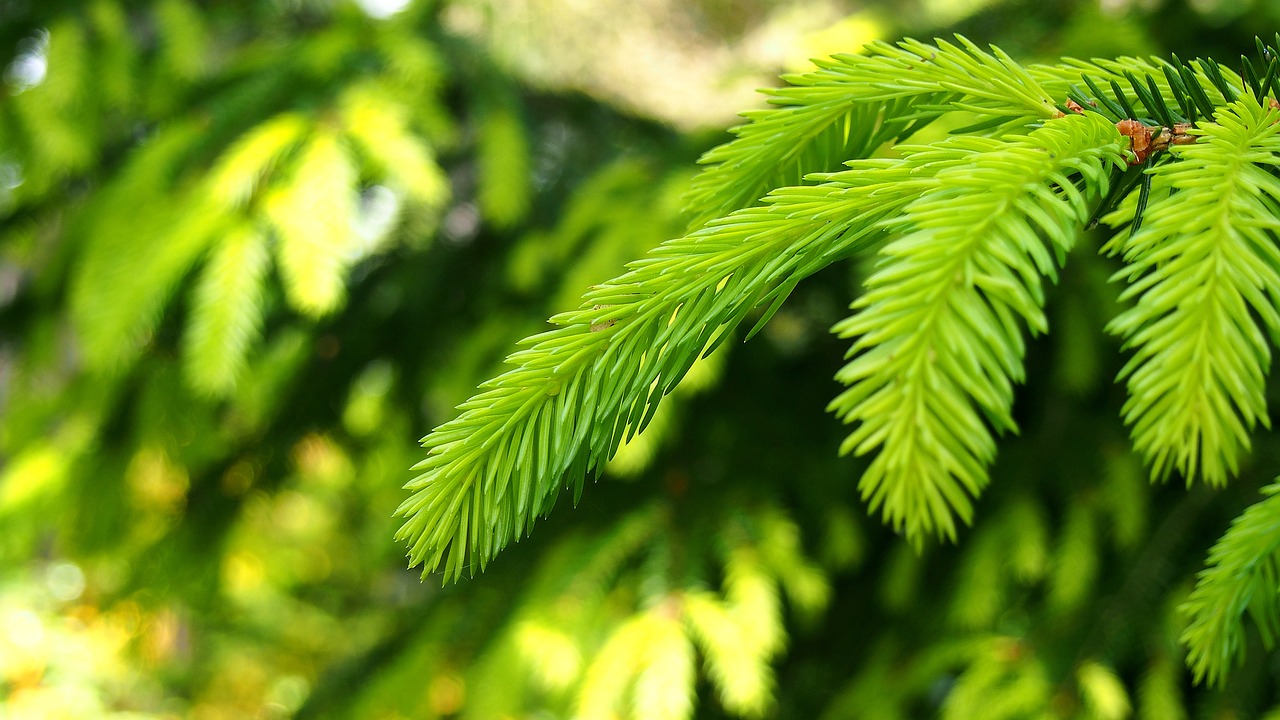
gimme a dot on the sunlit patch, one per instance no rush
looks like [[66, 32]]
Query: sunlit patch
[[446, 693], [382, 9], [156, 484], [376, 215], [31, 64], [461, 224], [65, 581], [23, 629], [320, 460], [288, 693], [239, 478], [243, 572]]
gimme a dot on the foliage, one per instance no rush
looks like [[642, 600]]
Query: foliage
[[248, 248], [1241, 577], [965, 228]]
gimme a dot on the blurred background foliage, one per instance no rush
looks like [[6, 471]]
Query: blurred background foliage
[[250, 251]]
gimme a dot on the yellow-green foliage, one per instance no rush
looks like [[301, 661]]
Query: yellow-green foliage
[[964, 229], [1201, 270], [1243, 576], [225, 308], [283, 189]]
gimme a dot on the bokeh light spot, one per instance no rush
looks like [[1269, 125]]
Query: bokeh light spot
[[65, 581]]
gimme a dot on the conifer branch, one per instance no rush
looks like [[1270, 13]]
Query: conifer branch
[[139, 228], [1243, 575], [1116, 88], [939, 331], [1205, 273], [974, 223], [312, 216], [226, 311], [580, 389], [853, 104]]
